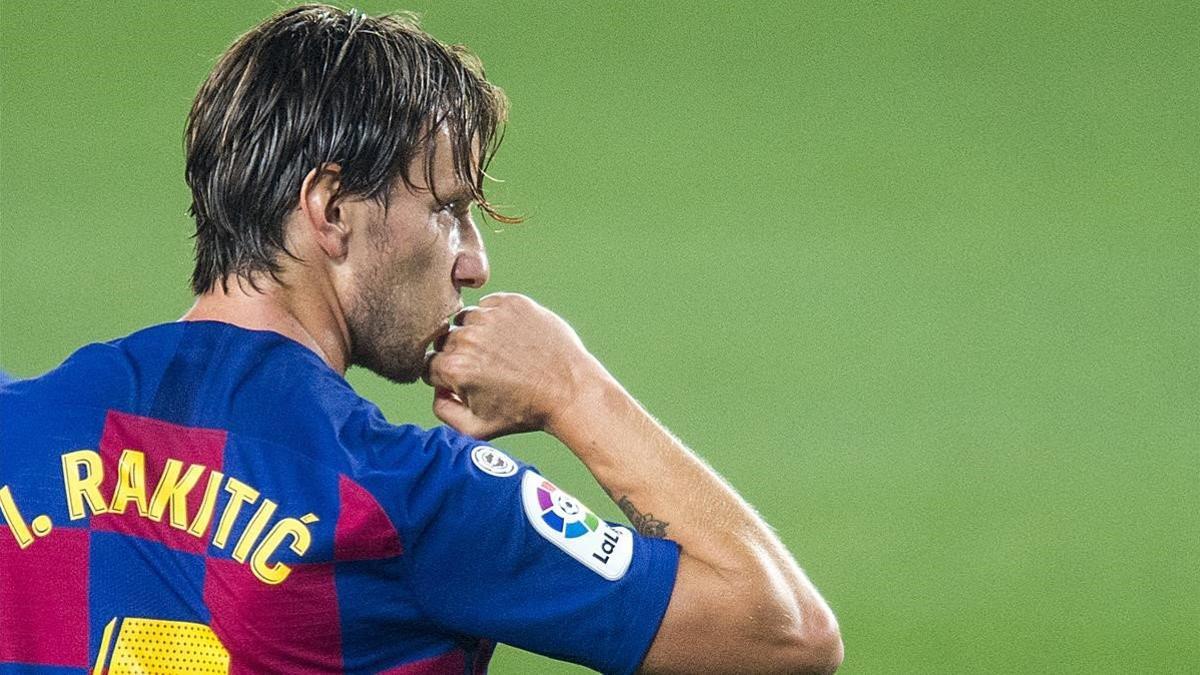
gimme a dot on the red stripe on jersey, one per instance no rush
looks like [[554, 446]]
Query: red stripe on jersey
[[158, 441], [293, 627], [364, 532], [44, 599]]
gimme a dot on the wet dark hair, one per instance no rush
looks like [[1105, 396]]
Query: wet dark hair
[[315, 85]]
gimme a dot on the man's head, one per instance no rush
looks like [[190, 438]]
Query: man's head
[[374, 136]]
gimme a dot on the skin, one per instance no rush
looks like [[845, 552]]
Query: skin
[[377, 287]]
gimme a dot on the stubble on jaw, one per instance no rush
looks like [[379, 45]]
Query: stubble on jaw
[[385, 337]]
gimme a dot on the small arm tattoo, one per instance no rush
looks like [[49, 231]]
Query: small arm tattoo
[[645, 523]]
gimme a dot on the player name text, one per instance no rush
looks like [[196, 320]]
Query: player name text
[[256, 545]]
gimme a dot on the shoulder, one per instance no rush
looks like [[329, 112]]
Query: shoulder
[[420, 468], [97, 373]]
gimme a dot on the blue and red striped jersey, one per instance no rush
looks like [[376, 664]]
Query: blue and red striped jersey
[[198, 497]]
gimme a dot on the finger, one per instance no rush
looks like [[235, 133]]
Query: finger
[[457, 414], [444, 393], [493, 299], [456, 338], [439, 342], [435, 373], [502, 298], [460, 317], [425, 367], [472, 317]]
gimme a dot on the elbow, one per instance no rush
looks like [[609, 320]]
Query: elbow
[[816, 646], [826, 652]]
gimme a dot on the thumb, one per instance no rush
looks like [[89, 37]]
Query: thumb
[[450, 409]]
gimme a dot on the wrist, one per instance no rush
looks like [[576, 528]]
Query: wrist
[[591, 396]]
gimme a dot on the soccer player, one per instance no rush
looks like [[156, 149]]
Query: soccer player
[[210, 495]]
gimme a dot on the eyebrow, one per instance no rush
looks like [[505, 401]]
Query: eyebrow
[[459, 193]]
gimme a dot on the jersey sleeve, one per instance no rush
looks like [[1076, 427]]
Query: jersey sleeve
[[500, 552]]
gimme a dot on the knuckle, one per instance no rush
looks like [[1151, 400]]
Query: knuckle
[[518, 301], [460, 338], [468, 337], [435, 376], [502, 299], [454, 367], [480, 315], [463, 315], [441, 365]]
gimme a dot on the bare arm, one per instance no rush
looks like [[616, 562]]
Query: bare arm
[[741, 603]]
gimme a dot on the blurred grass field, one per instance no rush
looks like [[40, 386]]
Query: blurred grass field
[[922, 280]]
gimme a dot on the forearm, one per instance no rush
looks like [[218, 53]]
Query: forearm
[[666, 490], [652, 476]]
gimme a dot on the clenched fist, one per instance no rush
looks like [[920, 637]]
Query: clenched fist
[[507, 366]]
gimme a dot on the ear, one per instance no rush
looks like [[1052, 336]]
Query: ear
[[322, 213]]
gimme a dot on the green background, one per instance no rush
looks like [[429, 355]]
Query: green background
[[921, 280]]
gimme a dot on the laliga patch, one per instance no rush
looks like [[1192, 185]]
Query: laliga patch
[[493, 462], [569, 525]]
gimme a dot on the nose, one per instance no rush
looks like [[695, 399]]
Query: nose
[[471, 266]]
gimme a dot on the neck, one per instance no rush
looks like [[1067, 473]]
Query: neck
[[308, 315]]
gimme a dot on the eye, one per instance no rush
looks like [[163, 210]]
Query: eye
[[457, 207]]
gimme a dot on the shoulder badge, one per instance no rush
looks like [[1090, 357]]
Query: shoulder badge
[[493, 462], [605, 549]]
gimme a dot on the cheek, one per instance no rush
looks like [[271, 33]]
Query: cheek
[[427, 268], [420, 259], [454, 240], [421, 241]]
